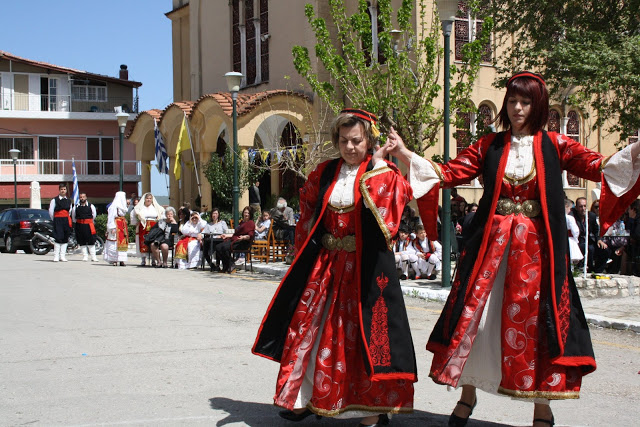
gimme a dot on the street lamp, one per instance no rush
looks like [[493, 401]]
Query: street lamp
[[234, 79], [447, 10], [122, 118], [14, 152]]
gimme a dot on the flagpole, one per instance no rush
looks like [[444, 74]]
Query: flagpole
[[193, 155]]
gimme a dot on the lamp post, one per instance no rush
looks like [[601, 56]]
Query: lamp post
[[14, 152], [234, 79], [447, 10], [122, 118]]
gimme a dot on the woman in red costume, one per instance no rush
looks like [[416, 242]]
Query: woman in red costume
[[513, 323], [337, 324]]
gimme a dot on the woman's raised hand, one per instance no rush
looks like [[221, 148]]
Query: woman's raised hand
[[399, 149]]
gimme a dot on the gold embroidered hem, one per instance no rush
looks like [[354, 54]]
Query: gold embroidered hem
[[372, 409], [551, 395], [604, 162], [436, 167], [369, 203]]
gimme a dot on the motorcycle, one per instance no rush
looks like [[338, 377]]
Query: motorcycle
[[42, 240]]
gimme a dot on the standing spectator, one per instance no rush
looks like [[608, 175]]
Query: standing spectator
[[59, 210], [580, 214], [83, 215], [143, 217], [631, 255], [254, 198], [262, 227], [132, 201], [117, 242]]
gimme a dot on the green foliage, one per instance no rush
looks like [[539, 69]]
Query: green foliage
[[587, 50], [402, 88], [219, 172]]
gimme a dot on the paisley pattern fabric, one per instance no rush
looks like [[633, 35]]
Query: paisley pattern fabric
[[341, 381]]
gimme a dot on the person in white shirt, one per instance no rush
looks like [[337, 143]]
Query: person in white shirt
[[60, 212], [429, 254], [262, 227], [405, 256]]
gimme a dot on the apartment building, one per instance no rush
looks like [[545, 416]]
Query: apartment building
[[53, 114]]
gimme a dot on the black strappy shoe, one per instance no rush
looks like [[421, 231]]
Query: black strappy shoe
[[383, 420], [551, 422], [292, 416], [456, 421]]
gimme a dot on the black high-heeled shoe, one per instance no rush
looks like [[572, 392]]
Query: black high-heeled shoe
[[551, 422], [292, 416], [456, 421], [383, 420]]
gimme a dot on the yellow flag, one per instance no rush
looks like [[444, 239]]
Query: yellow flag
[[183, 144]]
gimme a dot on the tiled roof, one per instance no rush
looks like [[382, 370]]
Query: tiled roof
[[246, 103], [81, 73]]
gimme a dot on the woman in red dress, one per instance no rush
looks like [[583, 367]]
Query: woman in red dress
[[337, 324], [513, 323]]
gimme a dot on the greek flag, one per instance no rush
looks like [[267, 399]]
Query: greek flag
[[162, 159], [76, 192]]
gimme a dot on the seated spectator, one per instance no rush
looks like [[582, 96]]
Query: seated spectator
[[405, 258], [429, 255], [410, 221], [214, 230], [240, 239], [284, 222], [163, 242], [631, 252], [183, 217], [188, 248], [262, 227]]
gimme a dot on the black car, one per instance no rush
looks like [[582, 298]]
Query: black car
[[15, 227]]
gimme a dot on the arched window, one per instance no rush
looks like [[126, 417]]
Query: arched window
[[250, 39], [463, 132], [573, 132], [466, 29], [554, 121]]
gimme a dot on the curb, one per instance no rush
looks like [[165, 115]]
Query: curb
[[608, 322]]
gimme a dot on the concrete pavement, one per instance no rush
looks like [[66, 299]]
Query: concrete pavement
[[611, 302]]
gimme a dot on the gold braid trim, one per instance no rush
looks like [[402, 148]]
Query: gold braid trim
[[436, 166], [364, 190], [604, 162], [372, 409], [551, 395], [524, 179]]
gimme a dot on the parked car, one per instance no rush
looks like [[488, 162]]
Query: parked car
[[15, 227]]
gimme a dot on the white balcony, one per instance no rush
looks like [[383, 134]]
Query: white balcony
[[28, 170]]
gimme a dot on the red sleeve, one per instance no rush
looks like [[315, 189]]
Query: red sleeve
[[578, 159], [308, 201], [386, 192], [467, 165]]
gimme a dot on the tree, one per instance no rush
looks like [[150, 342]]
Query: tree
[[400, 84], [219, 172], [587, 50]]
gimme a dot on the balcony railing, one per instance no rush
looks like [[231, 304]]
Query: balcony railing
[[56, 170], [25, 102]]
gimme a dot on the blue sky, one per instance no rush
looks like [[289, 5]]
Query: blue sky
[[98, 36]]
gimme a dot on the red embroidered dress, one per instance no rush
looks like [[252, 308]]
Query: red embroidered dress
[[323, 364]]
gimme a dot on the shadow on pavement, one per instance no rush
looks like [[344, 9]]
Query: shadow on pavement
[[261, 414]]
